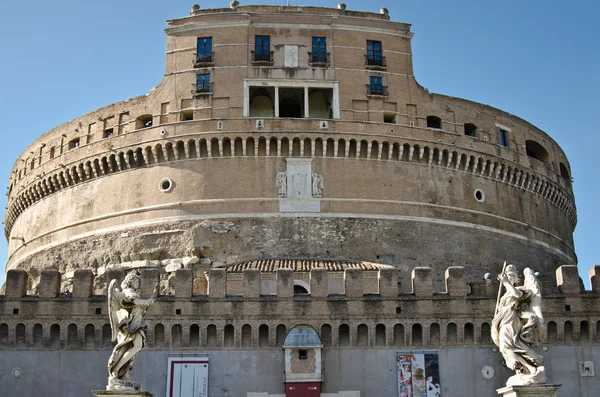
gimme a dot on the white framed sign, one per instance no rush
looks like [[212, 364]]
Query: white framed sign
[[187, 376]]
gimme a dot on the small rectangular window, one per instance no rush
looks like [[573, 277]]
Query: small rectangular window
[[262, 48], [503, 138], [319, 50], [374, 53], [203, 82], [108, 133], [52, 152], [376, 86], [204, 53], [302, 354]]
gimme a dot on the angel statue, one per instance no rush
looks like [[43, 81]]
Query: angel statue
[[126, 311], [516, 326]]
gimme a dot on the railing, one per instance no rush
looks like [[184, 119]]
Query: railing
[[318, 59], [375, 63], [377, 90], [262, 57], [204, 60], [202, 89]]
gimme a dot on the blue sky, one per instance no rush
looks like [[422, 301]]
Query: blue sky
[[536, 59]]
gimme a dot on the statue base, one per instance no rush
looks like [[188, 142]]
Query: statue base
[[132, 393], [542, 390]]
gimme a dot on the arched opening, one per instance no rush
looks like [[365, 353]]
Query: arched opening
[[261, 101], [55, 335], [211, 335], [319, 103], [229, 335], [417, 335], [263, 335], [469, 336], [326, 335], [106, 335], [552, 332], [194, 335], [584, 331], [176, 335], [38, 335], [300, 288], [380, 339], [89, 335], [564, 172], [72, 340], [4, 334], [144, 121], [434, 334], [159, 335], [246, 335], [21, 334], [434, 122], [486, 334], [451, 334], [344, 335], [568, 331], [280, 334], [362, 335], [398, 335], [536, 151]]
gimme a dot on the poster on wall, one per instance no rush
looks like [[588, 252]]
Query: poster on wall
[[187, 376], [418, 375]]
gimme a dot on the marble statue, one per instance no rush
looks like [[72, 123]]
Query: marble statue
[[317, 185], [126, 311], [281, 183], [516, 326]]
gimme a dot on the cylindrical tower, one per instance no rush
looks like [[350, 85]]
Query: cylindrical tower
[[288, 132]]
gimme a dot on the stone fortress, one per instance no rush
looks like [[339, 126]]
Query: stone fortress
[[290, 172]]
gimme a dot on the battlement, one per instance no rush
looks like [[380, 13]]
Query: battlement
[[460, 315]]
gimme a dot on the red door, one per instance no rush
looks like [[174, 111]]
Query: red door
[[304, 389]]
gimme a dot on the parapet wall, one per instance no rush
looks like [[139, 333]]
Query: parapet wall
[[460, 315]]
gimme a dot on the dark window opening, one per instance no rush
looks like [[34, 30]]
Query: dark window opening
[[108, 133], [204, 53], [203, 83], [262, 49], [73, 143], [144, 121], [291, 102], [375, 86], [564, 172], [389, 117], [503, 138], [178, 312], [302, 354], [567, 308], [434, 122], [15, 311], [374, 53], [319, 50], [262, 101], [52, 152], [187, 115], [300, 290], [536, 151], [471, 130], [398, 310], [98, 310]]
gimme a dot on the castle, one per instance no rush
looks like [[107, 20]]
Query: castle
[[310, 212]]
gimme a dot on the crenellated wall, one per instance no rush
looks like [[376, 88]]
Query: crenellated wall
[[459, 316]]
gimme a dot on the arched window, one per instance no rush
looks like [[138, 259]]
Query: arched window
[[326, 335], [159, 335], [263, 335], [144, 121], [398, 335], [280, 334], [21, 334], [380, 337], [4, 334], [584, 331], [38, 335], [451, 333], [486, 334], [469, 336], [564, 172], [176, 335], [211, 336], [552, 332], [300, 290], [417, 335], [362, 335], [55, 335], [72, 340], [194, 335], [261, 102], [229, 335], [89, 335], [106, 335], [434, 122], [246, 335], [344, 335], [434, 334], [568, 331], [536, 151]]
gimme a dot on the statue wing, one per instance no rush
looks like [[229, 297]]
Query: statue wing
[[113, 308]]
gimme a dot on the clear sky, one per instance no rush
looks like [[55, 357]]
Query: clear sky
[[539, 60]]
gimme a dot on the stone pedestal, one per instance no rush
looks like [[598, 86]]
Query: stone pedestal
[[133, 393], [529, 391]]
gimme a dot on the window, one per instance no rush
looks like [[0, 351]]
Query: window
[[73, 143], [262, 49], [374, 53], [302, 354], [434, 122], [203, 83], [108, 133], [319, 50], [470, 129], [204, 52], [503, 138], [376, 86]]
